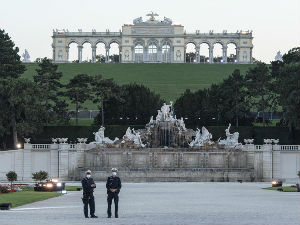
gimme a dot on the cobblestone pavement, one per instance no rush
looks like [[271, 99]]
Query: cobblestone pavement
[[169, 203]]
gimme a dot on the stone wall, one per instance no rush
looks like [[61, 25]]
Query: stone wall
[[68, 162]]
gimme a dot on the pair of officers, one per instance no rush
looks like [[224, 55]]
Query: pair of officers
[[113, 186]]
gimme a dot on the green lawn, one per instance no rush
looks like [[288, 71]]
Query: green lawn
[[26, 197], [285, 189], [81, 122], [168, 80], [72, 188]]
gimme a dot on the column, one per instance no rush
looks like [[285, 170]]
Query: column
[[251, 55], [120, 54], [224, 54], [79, 53], [267, 162], [67, 53], [197, 54], [159, 54], [211, 54], [145, 53], [53, 53], [133, 54], [107, 54], [237, 54], [94, 48]]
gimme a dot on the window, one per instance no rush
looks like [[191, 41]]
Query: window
[[152, 53], [138, 52], [244, 56], [166, 53]]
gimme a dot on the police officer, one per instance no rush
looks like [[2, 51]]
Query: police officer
[[113, 186], [88, 186]]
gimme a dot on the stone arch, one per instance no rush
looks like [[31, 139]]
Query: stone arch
[[232, 55], [166, 40], [191, 41], [87, 41], [166, 50], [205, 57], [153, 41], [114, 49], [100, 41], [73, 41], [139, 41], [218, 58], [72, 53]]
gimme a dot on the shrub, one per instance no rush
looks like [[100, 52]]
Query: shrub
[[11, 177], [4, 189], [39, 176]]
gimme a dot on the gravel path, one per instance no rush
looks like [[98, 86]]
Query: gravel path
[[169, 203]]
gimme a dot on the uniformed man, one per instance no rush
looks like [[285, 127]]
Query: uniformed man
[[88, 186], [113, 186]]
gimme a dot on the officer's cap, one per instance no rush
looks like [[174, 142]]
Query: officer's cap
[[88, 172], [114, 169]]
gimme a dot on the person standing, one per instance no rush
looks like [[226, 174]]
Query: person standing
[[113, 186], [88, 186]]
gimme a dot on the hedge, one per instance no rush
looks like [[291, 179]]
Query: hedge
[[112, 131]]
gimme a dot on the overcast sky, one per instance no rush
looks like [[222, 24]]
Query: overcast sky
[[275, 23]]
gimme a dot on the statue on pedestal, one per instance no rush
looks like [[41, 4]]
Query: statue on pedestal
[[232, 140]]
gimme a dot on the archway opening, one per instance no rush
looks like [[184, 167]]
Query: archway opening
[[100, 52], [114, 52], [231, 53], [190, 53], [152, 53], [166, 53], [138, 53], [86, 52], [204, 53], [73, 52], [218, 53]]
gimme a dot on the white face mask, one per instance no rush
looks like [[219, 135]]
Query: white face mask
[[88, 176], [114, 173]]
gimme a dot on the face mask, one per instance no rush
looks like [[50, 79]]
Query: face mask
[[114, 173], [88, 176]]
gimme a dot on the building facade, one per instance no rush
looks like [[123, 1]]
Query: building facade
[[153, 41]]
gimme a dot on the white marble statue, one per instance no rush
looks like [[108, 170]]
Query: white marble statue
[[278, 56], [27, 140], [26, 56], [166, 112], [167, 20], [138, 20], [54, 140], [132, 136], [232, 140], [101, 139], [202, 138], [182, 124], [159, 116]]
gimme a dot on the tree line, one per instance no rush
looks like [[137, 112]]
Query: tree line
[[26, 106]]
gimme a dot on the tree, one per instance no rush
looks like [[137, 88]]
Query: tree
[[21, 109], [11, 177], [10, 63], [40, 176], [287, 86], [234, 95], [79, 91], [259, 85], [104, 90], [100, 58], [49, 80], [140, 103]]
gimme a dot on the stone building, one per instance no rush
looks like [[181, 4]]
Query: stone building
[[153, 41]]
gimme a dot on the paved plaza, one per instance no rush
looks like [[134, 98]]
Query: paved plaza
[[169, 203]]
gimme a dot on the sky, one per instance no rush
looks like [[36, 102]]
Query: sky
[[275, 23]]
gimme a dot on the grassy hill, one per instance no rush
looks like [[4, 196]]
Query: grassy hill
[[168, 80]]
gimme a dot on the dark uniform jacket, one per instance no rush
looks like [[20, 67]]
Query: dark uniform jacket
[[113, 183], [86, 185]]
